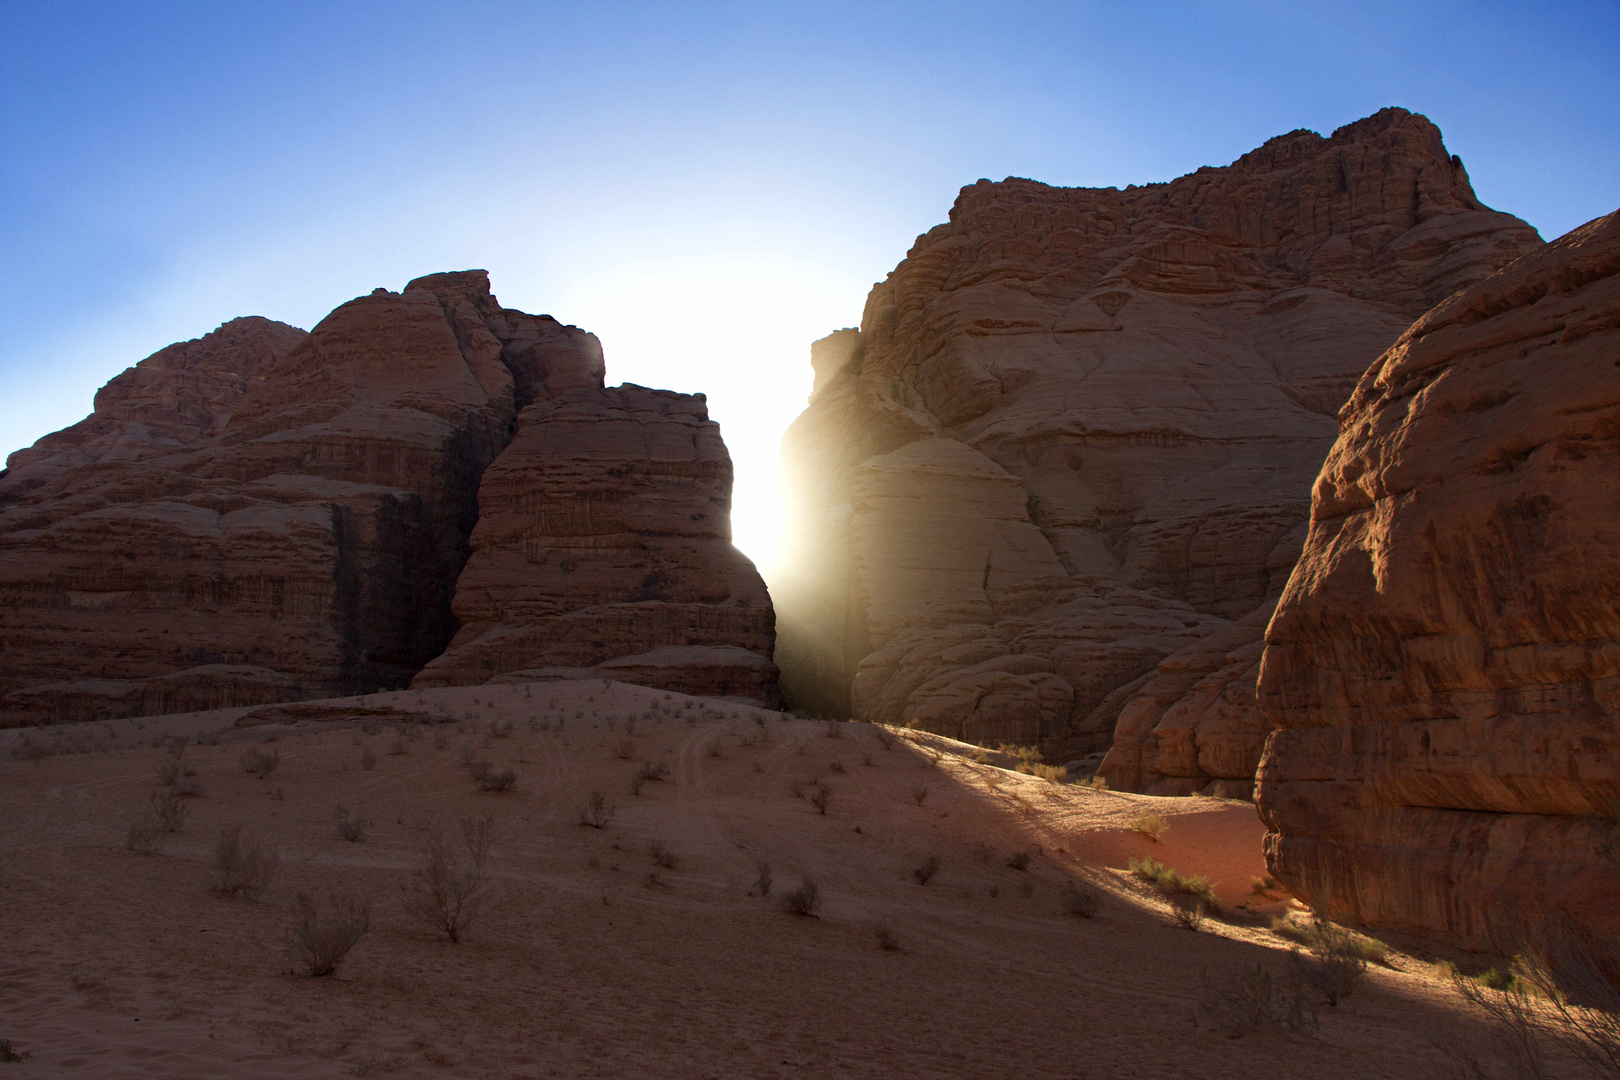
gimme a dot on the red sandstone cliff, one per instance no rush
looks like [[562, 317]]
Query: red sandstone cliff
[[1444, 667], [1075, 434]]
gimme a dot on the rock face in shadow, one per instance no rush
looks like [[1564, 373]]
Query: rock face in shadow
[[262, 515], [1444, 666], [603, 548], [1075, 433]]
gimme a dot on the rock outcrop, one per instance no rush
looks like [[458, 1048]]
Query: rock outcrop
[[603, 549], [1444, 666], [262, 515], [1075, 433]]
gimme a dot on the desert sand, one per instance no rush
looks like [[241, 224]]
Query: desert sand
[[584, 963]]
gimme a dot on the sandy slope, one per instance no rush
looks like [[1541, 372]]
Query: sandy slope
[[123, 965]]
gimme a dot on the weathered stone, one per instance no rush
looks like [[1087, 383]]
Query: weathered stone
[[1444, 666]]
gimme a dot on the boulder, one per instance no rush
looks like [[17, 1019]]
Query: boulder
[[1443, 669]]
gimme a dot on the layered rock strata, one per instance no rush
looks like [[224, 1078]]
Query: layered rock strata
[[603, 548], [1075, 433], [1444, 666], [262, 515]]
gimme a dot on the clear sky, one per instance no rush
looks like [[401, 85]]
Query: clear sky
[[707, 186]]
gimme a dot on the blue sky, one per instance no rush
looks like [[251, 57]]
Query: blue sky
[[707, 186]]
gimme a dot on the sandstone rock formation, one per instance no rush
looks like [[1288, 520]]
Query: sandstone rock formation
[[262, 515], [1075, 433], [603, 548], [1444, 666]]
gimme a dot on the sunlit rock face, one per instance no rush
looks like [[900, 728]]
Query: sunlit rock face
[[1444, 666], [262, 515], [1075, 434]]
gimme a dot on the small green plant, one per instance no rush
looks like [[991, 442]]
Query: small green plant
[[1150, 825]]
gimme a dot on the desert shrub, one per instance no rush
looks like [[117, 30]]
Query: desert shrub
[[1335, 961], [919, 793], [448, 886], [399, 746], [885, 938], [1150, 825], [660, 853], [243, 864], [1188, 911], [351, 827], [10, 1055], [1018, 860], [497, 780], [258, 763], [1321, 936], [1252, 997], [924, 873], [624, 749], [323, 934], [1574, 981], [649, 771], [1050, 773], [762, 879], [714, 748], [368, 759], [168, 772], [836, 766], [994, 778], [1099, 783], [1081, 900], [883, 736], [835, 730], [821, 798], [597, 813], [805, 900], [1260, 886], [1173, 883], [145, 835]]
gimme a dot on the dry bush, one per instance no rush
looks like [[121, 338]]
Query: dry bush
[[923, 874], [994, 778], [10, 1055], [762, 879], [885, 938], [648, 771], [1173, 883], [1336, 959], [624, 749], [1099, 783], [1260, 886], [919, 792], [1575, 977], [447, 889], [368, 759], [1018, 860], [168, 772], [1250, 998], [805, 900], [597, 814], [1188, 911], [399, 746], [258, 763], [1051, 773], [835, 730], [1081, 900], [714, 748], [1318, 935], [836, 766], [243, 864], [322, 935], [883, 736], [497, 780], [164, 814], [821, 798], [660, 853], [351, 827], [1150, 825]]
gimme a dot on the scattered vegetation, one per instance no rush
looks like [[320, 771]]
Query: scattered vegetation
[[1053, 774], [1081, 900], [597, 813], [165, 813], [1150, 825], [1261, 886], [662, 855], [885, 938], [919, 793], [10, 1055], [624, 749], [1018, 860], [1188, 911], [243, 864], [448, 887], [1253, 997], [883, 736], [714, 748], [924, 873], [323, 934], [805, 900], [762, 879], [1319, 936], [489, 778], [1173, 883]]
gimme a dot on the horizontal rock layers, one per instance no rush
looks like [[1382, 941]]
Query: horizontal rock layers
[[603, 547], [262, 515], [1075, 433], [1444, 666]]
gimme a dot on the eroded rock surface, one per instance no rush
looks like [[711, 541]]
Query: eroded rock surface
[[1444, 667], [603, 549], [262, 515], [1075, 433]]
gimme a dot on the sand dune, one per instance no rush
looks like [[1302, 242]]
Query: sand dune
[[586, 965]]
